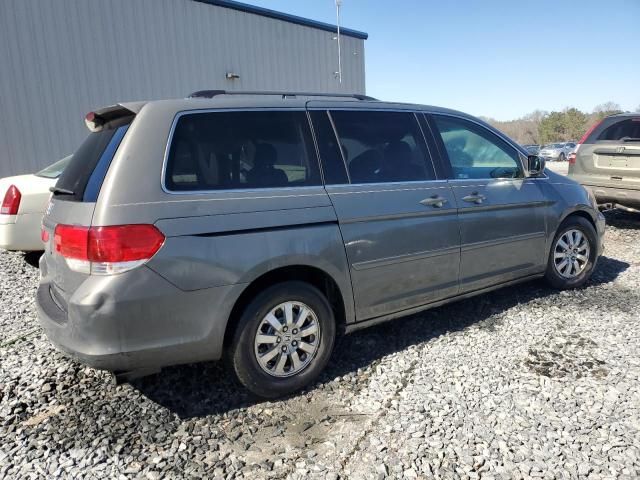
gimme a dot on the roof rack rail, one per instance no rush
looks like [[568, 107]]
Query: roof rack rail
[[215, 93]]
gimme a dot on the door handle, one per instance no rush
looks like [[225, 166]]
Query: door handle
[[475, 197], [434, 201]]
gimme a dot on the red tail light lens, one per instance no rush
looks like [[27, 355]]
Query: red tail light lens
[[11, 201], [124, 243], [44, 235], [572, 158], [105, 250], [71, 242]]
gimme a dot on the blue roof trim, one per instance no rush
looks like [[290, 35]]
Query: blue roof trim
[[265, 12]]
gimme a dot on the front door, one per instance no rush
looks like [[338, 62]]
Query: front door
[[501, 211], [398, 221]]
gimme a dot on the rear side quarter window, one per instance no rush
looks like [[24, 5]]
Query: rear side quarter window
[[238, 150]]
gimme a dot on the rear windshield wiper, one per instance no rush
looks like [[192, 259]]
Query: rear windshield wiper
[[61, 191], [630, 139]]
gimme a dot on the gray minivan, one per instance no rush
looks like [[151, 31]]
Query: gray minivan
[[259, 226]]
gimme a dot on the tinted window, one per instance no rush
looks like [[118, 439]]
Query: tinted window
[[255, 149], [625, 130], [382, 146], [475, 152], [333, 167], [89, 164]]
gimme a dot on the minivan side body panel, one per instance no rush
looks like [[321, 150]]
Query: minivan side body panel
[[402, 250]]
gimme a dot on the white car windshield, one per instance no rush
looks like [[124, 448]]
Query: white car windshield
[[55, 170]]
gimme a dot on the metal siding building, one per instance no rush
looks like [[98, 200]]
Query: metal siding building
[[61, 59]]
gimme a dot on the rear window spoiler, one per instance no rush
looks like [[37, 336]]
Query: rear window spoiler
[[96, 119]]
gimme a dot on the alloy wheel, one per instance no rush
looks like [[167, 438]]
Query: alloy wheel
[[287, 339], [571, 253]]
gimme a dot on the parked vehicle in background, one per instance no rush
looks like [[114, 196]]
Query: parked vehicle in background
[[556, 151], [276, 221], [607, 160], [24, 201], [532, 149]]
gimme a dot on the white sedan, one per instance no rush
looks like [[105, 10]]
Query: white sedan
[[24, 200]]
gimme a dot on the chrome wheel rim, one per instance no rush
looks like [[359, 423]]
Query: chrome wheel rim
[[287, 339], [571, 253]]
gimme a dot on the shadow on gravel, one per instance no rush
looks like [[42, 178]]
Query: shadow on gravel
[[620, 219], [206, 389], [32, 258]]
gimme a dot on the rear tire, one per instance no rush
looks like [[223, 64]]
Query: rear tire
[[562, 157], [275, 350], [573, 254]]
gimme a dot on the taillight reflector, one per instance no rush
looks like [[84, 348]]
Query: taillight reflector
[[572, 158], [44, 235], [104, 250], [11, 201]]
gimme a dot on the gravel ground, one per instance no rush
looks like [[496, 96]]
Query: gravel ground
[[559, 167], [522, 382]]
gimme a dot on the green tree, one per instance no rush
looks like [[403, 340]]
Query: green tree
[[575, 124], [563, 126], [551, 128]]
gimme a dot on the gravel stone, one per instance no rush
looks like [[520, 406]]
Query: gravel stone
[[523, 382]]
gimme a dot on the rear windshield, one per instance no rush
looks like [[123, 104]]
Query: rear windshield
[[231, 150], [626, 130], [83, 176], [55, 170]]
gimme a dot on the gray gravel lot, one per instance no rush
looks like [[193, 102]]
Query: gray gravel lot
[[522, 382]]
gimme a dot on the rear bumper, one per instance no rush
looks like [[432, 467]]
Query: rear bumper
[[623, 196], [21, 232], [135, 320]]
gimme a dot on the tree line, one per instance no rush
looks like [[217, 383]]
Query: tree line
[[541, 127]]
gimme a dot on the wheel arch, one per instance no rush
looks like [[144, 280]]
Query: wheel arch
[[578, 212], [312, 275]]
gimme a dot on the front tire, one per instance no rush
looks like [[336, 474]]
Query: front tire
[[561, 157], [573, 254], [283, 340]]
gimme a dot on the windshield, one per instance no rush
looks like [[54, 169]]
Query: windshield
[[553, 145], [55, 170]]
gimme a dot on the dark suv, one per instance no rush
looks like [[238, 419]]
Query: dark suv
[[259, 226]]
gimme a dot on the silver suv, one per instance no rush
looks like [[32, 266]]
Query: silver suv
[[260, 226], [607, 160], [557, 151]]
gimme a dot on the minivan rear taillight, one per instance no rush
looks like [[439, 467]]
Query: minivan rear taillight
[[106, 250], [11, 201], [572, 158]]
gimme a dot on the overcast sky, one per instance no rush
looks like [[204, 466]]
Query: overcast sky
[[497, 58]]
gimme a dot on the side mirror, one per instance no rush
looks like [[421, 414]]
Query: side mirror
[[535, 165]]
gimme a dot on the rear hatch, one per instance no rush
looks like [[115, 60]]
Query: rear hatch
[[610, 156], [74, 197]]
